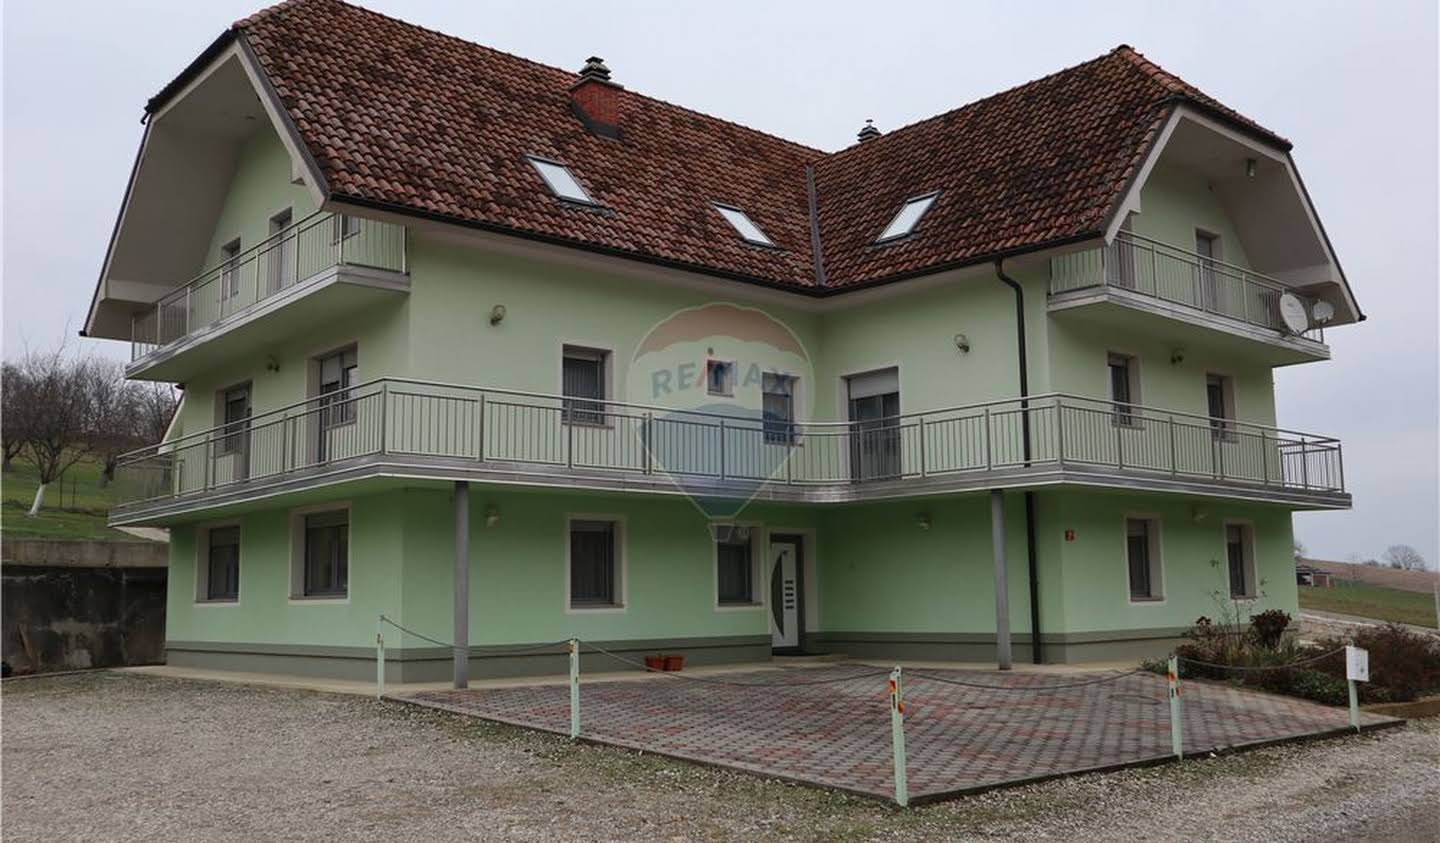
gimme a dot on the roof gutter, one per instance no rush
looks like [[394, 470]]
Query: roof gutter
[[1032, 568]]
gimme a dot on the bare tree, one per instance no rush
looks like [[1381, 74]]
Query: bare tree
[[56, 414], [1404, 557], [112, 403], [14, 394], [154, 409]]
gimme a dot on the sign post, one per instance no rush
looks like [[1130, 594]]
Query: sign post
[[574, 689], [380, 658], [897, 738], [1172, 676], [1357, 669]]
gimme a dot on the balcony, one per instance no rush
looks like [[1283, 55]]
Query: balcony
[[326, 264], [1143, 274], [420, 430]]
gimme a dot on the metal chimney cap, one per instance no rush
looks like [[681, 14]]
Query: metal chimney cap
[[869, 132], [595, 69]]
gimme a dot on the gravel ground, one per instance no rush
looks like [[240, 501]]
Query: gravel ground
[[107, 756]]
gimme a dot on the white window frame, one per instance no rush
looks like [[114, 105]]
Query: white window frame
[[759, 549], [540, 164], [622, 564], [606, 358], [733, 367], [889, 235], [297, 554], [1247, 543], [202, 564], [1130, 417], [1226, 430], [1156, 539], [739, 220]]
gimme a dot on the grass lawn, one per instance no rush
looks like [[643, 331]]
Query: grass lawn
[[1371, 601], [81, 515]]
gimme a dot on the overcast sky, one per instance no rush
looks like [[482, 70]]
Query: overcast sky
[[1353, 85]]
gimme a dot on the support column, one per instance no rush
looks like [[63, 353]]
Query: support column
[[1002, 588], [462, 585]]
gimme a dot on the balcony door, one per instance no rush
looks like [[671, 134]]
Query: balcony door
[[874, 405], [1207, 248], [280, 256]]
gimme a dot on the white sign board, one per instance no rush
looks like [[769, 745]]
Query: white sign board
[[1357, 664]]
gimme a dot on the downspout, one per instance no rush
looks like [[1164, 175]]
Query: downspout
[[1036, 648]]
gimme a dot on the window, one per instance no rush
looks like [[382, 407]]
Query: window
[[338, 372], [560, 182], [720, 377], [778, 408], [874, 409], [582, 379], [1124, 388], [280, 253], [325, 548], [1207, 248], [908, 218], [594, 563], [744, 225], [1240, 558], [734, 565], [1120, 257], [219, 576], [235, 416], [346, 226], [1220, 401], [1142, 556], [230, 269]]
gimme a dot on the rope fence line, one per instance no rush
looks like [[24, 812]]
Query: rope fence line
[[1261, 667], [987, 687], [499, 650], [834, 680]]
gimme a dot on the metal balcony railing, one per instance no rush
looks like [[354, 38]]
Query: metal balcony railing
[[1161, 271], [286, 259], [555, 436]]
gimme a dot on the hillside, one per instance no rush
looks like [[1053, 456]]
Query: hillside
[[1385, 577], [78, 512]]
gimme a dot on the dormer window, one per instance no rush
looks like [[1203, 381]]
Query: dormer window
[[908, 218], [743, 225], [561, 183]]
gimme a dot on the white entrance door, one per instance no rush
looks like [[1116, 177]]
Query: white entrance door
[[784, 593]]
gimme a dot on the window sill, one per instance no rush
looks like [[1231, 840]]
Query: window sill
[[313, 599], [594, 608], [1147, 601], [738, 607], [218, 601]]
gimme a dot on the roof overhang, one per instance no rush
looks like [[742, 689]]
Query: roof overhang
[[178, 182], [1271, 210]]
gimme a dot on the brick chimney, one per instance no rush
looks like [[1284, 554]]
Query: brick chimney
[[596, 100]]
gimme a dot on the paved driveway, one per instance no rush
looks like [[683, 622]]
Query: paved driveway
[[830, 726]]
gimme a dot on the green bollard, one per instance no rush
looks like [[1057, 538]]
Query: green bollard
[[574, 689], [897, 738], [1173, 677]]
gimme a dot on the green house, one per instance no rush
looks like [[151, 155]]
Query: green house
[[511, 355]]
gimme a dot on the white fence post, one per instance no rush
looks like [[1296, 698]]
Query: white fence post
[[897, 738], [1173, 676], [1357, 669], [574, 688]]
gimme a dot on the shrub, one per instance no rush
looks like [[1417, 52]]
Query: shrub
[[1269, 627], [1404, 664]]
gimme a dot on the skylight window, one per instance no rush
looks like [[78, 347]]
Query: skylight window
[[909, 216], [561, 183], [744, 225]]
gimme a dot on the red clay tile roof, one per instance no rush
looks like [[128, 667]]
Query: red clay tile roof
[[402, 117]]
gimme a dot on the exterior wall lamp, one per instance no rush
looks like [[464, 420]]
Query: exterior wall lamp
[[497, 314], [962, 343]]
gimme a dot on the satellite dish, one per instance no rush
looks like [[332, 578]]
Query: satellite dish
[[1292, 313], [1322, 311]]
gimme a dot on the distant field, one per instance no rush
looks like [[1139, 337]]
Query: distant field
[[80, 516], [1376, 575], [1371, 601]]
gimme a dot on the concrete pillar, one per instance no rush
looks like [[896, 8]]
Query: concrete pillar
[[1002, 588], [462, 585]]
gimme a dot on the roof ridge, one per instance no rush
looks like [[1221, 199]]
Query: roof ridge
[[924, 120], [573, 75]]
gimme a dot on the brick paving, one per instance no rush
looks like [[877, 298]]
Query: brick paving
[[784, 723]]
